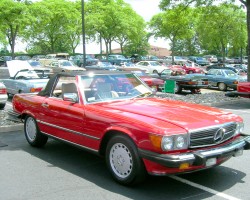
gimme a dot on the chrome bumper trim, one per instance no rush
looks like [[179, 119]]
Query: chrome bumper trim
[[198, 157]]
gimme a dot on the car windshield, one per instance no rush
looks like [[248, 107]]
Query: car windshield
[[200, 58], [35, 64], [66, 64], [229, 73], [155, 64], [26, 74], [109, 87]]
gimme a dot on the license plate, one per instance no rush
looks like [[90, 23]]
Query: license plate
[[210, 162]]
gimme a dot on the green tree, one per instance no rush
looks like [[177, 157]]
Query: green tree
[[14, 17], [131, 27], [166, 4], [112, 20], [218, 28], [56, 26], [173, 24]]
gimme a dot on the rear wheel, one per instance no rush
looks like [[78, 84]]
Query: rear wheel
[[33, 134], [222, 86], [123, 161], [155, 72]]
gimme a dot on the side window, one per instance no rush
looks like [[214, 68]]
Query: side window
[[218, 73], [57, 92]]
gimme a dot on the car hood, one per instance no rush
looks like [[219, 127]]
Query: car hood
[[158, 111], [16, 65]]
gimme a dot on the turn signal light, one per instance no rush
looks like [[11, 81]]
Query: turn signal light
[[184, 166], [32, 90]]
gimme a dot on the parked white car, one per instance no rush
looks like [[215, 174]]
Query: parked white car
[[3, 95], [151, 66]]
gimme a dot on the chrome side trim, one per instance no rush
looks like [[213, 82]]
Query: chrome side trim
[[71, 131], [72, 143]]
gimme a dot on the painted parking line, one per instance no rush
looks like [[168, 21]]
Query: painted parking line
[[201, 187]]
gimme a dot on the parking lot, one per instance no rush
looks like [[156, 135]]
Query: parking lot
[[60, 171]]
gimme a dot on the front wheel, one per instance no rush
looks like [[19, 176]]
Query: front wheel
[[2, 106], [32, 133], [178, 88], [222, 86], [123, 161]]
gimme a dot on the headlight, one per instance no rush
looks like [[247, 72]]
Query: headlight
[[239, 128], [180, 142], [175, 142], [167, 143]]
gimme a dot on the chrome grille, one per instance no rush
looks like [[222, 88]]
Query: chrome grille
[[212, 135]]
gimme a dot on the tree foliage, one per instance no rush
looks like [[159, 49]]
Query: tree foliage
[[113, 20], [14, 17], [166, 4], [173, 24]]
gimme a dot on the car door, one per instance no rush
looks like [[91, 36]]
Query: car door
[[63, 119], [213, 77]]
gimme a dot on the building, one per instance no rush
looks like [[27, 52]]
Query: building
[[154, 50]]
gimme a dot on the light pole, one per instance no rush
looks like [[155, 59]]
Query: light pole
[[83, 36]]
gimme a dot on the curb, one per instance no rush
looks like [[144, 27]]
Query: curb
[[10, 128]]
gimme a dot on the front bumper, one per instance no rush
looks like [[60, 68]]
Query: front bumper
[[199, 157]]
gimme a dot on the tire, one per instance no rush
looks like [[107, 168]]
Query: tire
[[32, 133], [177, 89], [155, 72], [123, 161], [222, 86], [2, 106], [190, 72]]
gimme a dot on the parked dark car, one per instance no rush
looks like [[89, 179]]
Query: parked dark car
[[192, 82], [3, 60], [78, 60], [116, 59], [221, 66], [101, 65], [201, 61]]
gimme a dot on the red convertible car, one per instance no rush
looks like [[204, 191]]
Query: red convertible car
[[243, 90], [136, 132]]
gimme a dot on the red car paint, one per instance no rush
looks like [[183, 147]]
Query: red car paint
[[243, 88], [91, 123]]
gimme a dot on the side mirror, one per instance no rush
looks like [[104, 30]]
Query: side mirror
[[72, 97]]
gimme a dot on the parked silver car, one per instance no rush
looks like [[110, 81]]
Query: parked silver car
[[23, 78]]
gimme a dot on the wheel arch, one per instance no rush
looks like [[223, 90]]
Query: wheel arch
[[112, 132], [25, 114]]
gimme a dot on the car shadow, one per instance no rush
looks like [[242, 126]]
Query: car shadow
[[93, 169]]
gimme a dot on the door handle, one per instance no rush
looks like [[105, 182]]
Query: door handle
[[45, 105]]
